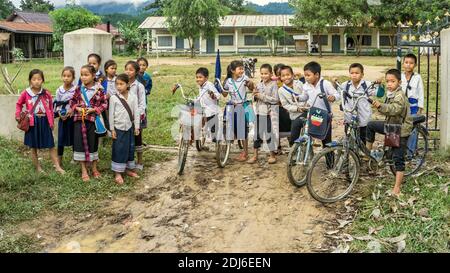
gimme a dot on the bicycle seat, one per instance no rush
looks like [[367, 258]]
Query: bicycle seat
[[418, 119]]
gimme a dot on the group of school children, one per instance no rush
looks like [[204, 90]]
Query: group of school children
[[117, 102], [280, 103]]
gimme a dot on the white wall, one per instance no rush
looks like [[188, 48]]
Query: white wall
[[445, 89]]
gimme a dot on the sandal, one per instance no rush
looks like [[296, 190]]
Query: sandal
[[85, 178], [252, 160], [132, 174], [96, 174], [272, 160], [119, 180], [242, 157]]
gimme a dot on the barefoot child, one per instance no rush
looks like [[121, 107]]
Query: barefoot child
[[236, 84], [87, 102], [137, 89], [125, 122], [39, 108], [208, 97], [293, 99], [62, 110], [266, 97], [397, 111]]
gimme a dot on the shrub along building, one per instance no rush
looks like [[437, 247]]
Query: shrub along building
[[29, 31], [237, 34]]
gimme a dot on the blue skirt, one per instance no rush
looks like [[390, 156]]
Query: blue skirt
[[65, 132], [40, 135]]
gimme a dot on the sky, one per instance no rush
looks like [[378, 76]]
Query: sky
[[61, 2]]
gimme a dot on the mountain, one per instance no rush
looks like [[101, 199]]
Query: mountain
[[272, 8], [113, 7]]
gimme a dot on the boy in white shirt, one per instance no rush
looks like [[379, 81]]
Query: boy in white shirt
[[412, 84], [208, 97]]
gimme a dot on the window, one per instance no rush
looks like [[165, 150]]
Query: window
[[165, 41], [287, 41], [323, 39], [226, 40], [385, 40], [366, 40], [253, 40]]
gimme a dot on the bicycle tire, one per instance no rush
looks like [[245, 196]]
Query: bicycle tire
[[182, 155], [222, 156], [290, 164], [323, 180]]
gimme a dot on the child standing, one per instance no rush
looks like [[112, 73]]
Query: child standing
[[314, 86], [87, 102], [208, 96], [144, 77], [397, 111], [109, 83], [137, 89], [65, 124], [293, 100], [356, 87], [266, 97], [236, 84], [412, 84], [39, 108], [125, 122]]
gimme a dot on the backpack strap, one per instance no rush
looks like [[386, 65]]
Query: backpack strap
[[408, 86], [322, 89], [127, 107], [37, 102]]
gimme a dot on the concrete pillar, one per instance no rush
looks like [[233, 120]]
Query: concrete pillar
[[345, 43], [378, 39], [80, 43], [236, 41], [148, 42], [445, 89], [154, 40]]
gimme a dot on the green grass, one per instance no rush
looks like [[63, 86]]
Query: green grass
[[25, 195], [422, 213]]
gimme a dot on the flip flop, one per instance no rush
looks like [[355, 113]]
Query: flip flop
[[96, 174], [132, 174], [85, 178], [119, 180], [252, 160]]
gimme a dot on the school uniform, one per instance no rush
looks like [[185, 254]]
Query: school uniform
[[147, 82], [123, 146], [291, 99], [210, 107], [364, 107], [266, 108], [110, 86], [237, 99], [397, 111], [85, 142], [65, 127], [414, 91], [137, 89], [40, 135]]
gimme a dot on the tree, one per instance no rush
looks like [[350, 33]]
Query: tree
[[314, 16], [133, 36], [272, 34], [234, 6], [68, 19], [36, 5], [6, 8], [192, 19], [356, 15]]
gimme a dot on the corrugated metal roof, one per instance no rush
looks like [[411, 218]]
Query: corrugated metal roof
[[31, 17], [231, 21], [17, 27]]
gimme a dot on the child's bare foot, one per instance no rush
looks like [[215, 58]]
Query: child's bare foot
[[396, 192], [85, 177], [60, 170], [252, 160], [132, 174], [96, 174]]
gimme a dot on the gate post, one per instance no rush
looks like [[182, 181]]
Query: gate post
[[445, 89]]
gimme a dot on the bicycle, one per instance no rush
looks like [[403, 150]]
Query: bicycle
[[301, 153], [329, 184], [188, 118]]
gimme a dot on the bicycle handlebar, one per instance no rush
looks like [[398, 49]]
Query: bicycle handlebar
[[344, 94]]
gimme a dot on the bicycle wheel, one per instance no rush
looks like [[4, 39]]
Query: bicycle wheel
[[415, 158], [182, 155], [332, 178], [222, 152], [297, 169]]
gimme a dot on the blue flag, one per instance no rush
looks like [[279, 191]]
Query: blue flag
[[218, 72]]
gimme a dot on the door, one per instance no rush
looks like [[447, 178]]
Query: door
[[179, 43], [210, 45], [336, 44]]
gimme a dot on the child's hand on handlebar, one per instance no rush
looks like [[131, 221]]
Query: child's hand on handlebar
[[331, 98], [376, 104]]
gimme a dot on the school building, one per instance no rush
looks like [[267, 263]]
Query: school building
[[237, 34]]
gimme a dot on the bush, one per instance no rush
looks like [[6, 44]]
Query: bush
[[377, 52]]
